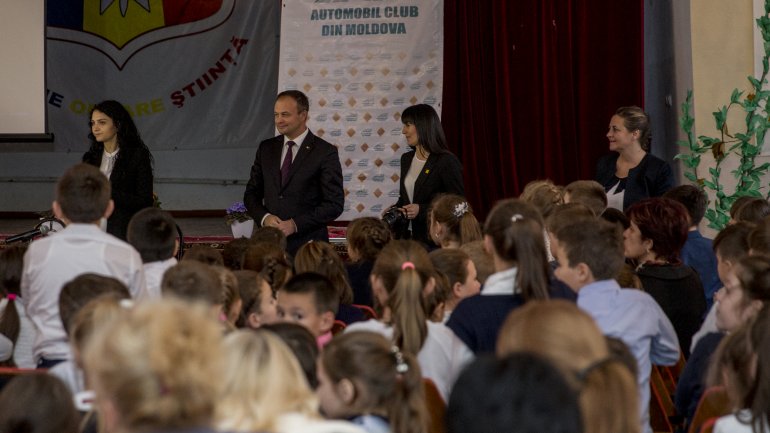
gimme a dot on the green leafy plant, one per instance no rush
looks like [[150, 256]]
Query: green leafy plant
[[745, 145]]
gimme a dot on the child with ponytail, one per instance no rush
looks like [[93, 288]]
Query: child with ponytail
[[14, 324], [401, 277], [364, 378], [513, 233], [452, 222]]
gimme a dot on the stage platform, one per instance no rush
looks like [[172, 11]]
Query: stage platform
[[212, 231]]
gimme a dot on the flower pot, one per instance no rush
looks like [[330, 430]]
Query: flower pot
[[242, 229]]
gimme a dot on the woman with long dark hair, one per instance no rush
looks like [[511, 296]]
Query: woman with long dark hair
[[119, 152], [428, 170]]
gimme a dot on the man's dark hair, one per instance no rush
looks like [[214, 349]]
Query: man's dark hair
[[153, 233], [83, 193], [694, 199], [302, 102]]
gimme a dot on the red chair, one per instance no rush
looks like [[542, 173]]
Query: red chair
[[713, 404], [367, 310], [338, 327], [708, 426], [662, 409], [436, 407]]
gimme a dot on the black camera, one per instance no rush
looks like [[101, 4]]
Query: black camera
[[396, 221]]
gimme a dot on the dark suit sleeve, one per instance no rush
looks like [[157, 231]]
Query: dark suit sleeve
[[663, 180], [451, 172], [332, 194], [255, 189], [134, 191]]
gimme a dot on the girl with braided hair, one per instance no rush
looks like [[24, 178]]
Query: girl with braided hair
[[452, 222], [366, 238]]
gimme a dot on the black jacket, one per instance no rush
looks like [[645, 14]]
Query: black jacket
[[651, 178]]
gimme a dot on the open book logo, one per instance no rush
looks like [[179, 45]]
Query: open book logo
[[121, 28]]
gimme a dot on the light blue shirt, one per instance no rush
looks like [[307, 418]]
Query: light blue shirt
[[634, 317]]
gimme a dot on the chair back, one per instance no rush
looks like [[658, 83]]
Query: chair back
[[436, 407], [714, 403]]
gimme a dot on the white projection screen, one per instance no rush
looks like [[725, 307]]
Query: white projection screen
[[22, 71]]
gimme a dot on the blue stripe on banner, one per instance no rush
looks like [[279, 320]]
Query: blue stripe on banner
[[65, 13]]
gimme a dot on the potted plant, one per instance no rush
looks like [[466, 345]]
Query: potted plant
[[239, 220]]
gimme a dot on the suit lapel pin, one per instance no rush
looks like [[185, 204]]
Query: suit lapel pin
[[427, 171]]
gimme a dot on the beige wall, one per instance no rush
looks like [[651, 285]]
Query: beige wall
[[722, 57]]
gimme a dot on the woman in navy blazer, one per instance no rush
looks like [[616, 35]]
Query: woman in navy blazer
[[630, 173], [428, 170], [119, 152]]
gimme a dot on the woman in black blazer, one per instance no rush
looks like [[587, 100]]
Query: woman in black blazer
[[428, 170], [119, 152]]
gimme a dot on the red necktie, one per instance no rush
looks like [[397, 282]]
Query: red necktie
[[286, 163]]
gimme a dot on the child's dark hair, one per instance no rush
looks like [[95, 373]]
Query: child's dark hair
[[230, 290], [483, 261], [204, 254], [383, 376], [516, 229], [11, 268], [567, 214], [595, 242], [321, 257], [732, 242], [302, 342], [435, 300], [271, 235], [37, 403], [193, 281], [83, 193], [737, 204], [693, 198], [453, 263], [324, 293], [616, 216], [754, 210], [152, 232], [234, 252], [589, 193], [368, 236], [455, 213], [405, 270], [543, 195], [85, 288], [270, 261], [249, 286], [520, 392], [759, 238]]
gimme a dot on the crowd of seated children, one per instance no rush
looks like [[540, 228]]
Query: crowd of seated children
[[82, 200], [519, 392], [366, 237], [231, 296], [153, 233], [194, 281], [258, 304], [311, 300], [460, 272], [654, 240], [270, 261], [565, 335], [697, 251], [400, 277], [233, 253], [265, 389], [451, 221], [544, 196], [590, 256], [513, 233], [589, 193], [322, 258], [15, 328], [204, 254], [745, 293], [364, 379]]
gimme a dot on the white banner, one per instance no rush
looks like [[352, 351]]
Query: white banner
[[361, 62], [194, 74]]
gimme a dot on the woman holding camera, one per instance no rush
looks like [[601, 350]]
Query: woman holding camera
[[427, 170]]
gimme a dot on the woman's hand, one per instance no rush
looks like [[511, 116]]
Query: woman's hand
[[411, 210]]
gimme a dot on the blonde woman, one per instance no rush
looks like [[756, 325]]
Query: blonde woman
[[265, 389]]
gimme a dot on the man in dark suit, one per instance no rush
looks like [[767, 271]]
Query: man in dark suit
[[296, 179]]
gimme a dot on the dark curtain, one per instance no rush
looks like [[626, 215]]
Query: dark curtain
[[530, 86]]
